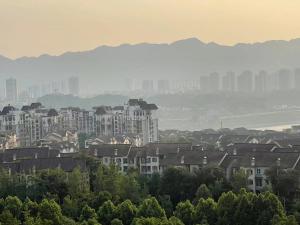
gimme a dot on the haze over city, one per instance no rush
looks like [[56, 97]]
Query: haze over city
[[149, 112]]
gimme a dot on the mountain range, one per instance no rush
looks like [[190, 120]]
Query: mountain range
[[107, 68]]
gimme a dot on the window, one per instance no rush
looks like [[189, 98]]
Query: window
[[250, 182], [106, 160], [257, 171], [125, 161], [154, 159], [148, 160], [154, 168], [258, 182]]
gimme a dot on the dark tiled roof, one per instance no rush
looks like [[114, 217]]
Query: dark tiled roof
[[143, 104], [35, 105], [66, 163], [25, 153], [244, 148], [110, 149], [262, 159], [52, 112], [101, 110], [193, 157], [7, 109]]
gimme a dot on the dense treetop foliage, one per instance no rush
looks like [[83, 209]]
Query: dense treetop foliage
[[103, 195]]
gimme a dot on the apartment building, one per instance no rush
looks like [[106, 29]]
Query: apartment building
[[32, 123]]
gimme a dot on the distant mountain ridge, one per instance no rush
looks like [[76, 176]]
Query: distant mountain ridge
[[107, 67]]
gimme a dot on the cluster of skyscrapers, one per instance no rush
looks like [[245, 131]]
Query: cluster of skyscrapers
[[13, 94], [246, 81]]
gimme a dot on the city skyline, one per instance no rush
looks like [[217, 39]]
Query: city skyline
[[55, 27]]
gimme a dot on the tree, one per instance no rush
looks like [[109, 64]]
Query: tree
[[206, 209], [243, 213], [126, 211], [151, 208], [108, 179], [202, 192], [285, 183], [106, 212], [154, 184], [53, 182], [266, 206], [178, 184], [87, 213], [226, 208], [99, 198], [77, 183], [70, 207], [90, 222], [50, 212], [239, 180], [7, 218], [116, 222], [166, 204], [185, 211], [14, 205], [130, 188]]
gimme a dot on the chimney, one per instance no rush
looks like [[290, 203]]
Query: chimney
[[116, 152], [204, 160], [253, 161], [178, 149], [234, 151], [182, 159], [95, 152], [278, 162], [157, 151]]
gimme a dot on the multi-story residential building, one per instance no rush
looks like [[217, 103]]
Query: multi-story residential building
[[11, 90], [260, 82], [297, 79], [214, 82], [73, 84], [228, 82], [136, 119], [284, 80], [245, 82]]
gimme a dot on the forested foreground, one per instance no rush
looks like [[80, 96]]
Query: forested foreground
[[104, 196]]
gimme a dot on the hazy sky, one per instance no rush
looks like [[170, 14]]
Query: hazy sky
[[34, 27]]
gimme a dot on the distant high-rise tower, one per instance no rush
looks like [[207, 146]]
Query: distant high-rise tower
[[245, 82], [148, 86], [204, 84], [11, 90], [73, 86], [297, 78], [284, 80], [260, 82], [214, 82], [228, 82], [163, 86]]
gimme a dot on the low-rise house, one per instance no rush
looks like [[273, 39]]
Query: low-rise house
[[10, 155], [31, 166], [256, 163], [112, 154]]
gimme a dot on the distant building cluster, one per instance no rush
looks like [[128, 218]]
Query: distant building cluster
[[245, 82], [29, 126], [13, 94], [254, 155]]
